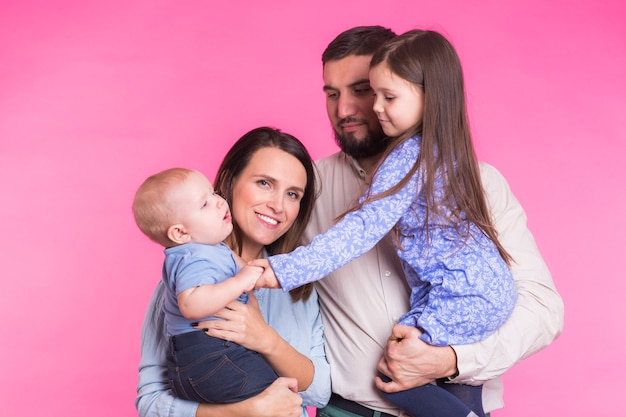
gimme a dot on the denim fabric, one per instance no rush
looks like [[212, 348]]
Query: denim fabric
[[450, 400], [470, 395], [209, 370]]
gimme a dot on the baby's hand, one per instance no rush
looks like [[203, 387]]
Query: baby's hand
[[268, 278], [248, 276]]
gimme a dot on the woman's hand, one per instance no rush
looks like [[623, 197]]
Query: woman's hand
[[410, 362], [242, 324], [279, 399]]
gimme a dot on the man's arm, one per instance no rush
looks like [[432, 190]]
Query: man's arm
[[535, 322], [538, 315]]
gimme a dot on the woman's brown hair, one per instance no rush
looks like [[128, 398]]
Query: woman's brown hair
[[238, 158]]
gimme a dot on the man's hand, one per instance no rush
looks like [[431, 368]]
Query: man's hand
[[410, 362]]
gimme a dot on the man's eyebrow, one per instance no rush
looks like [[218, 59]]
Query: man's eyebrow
[[354, 84], [361, 81]]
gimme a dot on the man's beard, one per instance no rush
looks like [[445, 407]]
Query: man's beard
[[372, 144]]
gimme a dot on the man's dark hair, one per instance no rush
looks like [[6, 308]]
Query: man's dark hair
[[360, 40]]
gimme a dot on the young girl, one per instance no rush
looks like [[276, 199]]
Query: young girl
[[427, 192]]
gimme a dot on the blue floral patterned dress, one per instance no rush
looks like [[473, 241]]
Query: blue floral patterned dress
[[461, 288]]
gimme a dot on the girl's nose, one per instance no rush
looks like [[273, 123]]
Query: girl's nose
[[378, 107]]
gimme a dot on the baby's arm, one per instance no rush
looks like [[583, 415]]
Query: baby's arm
[[205, 300]]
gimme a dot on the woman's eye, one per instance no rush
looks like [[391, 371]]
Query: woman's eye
[[263, 183], [293, 195]]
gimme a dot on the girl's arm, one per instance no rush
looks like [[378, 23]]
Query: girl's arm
[[268, 277], [358, 231]]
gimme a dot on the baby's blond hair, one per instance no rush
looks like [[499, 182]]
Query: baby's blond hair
[[151, 206]]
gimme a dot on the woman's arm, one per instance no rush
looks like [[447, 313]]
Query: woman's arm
[[244, 325], [155, 399], [279, 399], [318, 393]]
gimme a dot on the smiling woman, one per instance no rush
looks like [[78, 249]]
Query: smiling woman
[[269, 192], [268, 180]]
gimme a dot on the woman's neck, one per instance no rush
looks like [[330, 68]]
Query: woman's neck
[[249, 255], [248, 252]]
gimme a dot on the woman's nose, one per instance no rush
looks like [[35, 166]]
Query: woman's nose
[[276, 203]]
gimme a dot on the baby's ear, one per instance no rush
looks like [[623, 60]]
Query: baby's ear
[[178, 234]]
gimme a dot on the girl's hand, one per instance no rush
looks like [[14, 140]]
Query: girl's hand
[[248, 275], [268, 278], [242, 324]]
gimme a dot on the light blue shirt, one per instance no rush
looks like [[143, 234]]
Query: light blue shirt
[[298, 323], [192, 265], [461, 288]]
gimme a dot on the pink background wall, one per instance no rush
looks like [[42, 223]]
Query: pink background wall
[[95, 96]]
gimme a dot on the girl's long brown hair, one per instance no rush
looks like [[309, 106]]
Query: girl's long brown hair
[[428, 60]]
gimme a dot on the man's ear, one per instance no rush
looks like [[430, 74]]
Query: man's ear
[[178, 234]]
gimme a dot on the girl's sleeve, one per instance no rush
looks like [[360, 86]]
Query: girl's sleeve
[[358, 231]]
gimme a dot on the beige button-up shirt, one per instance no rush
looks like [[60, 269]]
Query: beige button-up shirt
[[361, 301]]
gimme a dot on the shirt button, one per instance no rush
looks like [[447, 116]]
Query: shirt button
[[387, 274]]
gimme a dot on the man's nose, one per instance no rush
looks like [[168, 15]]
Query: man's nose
[[346, 106]]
